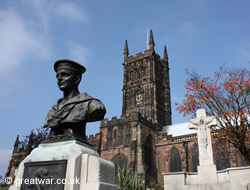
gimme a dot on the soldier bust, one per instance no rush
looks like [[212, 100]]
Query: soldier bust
[[68, 116]]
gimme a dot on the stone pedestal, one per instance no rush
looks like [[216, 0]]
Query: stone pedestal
[[207, 174], [79, 166]]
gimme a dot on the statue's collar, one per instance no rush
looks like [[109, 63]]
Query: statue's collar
[[79, 98]]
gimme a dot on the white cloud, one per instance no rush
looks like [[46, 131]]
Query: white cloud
[[78, 53], [44, 10], [18, 41], [4, 160], [25, 34], [41, 12], [70, 12]]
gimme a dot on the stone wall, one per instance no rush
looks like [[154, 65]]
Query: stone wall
[[237, 178]]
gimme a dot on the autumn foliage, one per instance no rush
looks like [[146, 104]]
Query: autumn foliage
[[32, 140], [227, 96]]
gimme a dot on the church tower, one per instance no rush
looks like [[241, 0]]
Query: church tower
[[146, 87]]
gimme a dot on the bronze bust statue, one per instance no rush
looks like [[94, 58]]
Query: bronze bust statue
[[68, 116]]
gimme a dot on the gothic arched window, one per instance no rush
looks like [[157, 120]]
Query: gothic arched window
[[244, 162], [120, 161], [175, 160], [129, 135], [222, 157], [142, 72], [110, 137], [137, 73], [195, 158], [120, 136]]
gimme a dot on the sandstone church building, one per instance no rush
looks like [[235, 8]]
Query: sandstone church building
[[143, 138]]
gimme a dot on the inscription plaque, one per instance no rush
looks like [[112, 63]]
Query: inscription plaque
[[49, 175]]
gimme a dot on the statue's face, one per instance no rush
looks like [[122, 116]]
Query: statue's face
[[66, 79]]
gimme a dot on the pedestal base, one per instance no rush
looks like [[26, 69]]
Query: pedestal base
[[84, 168], [207, 174]]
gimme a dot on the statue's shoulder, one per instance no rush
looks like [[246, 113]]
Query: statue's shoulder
[[79, 99], [85, 96], [55, 106]]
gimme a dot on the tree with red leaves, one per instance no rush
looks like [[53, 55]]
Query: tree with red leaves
[[226, 96], [32, 140]]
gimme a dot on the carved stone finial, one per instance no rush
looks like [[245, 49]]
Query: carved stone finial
[[126, 52], [16, 143], [165, 54], [151, 40]]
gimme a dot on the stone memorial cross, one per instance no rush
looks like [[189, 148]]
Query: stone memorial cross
[[202, 124]]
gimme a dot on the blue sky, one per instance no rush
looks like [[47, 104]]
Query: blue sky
[[199, 34]]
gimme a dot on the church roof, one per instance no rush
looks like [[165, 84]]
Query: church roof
[[178, 129]]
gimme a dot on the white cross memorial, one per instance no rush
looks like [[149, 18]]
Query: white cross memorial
[[202, 124]]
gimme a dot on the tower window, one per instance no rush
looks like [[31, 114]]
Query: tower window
[[138, 73]]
